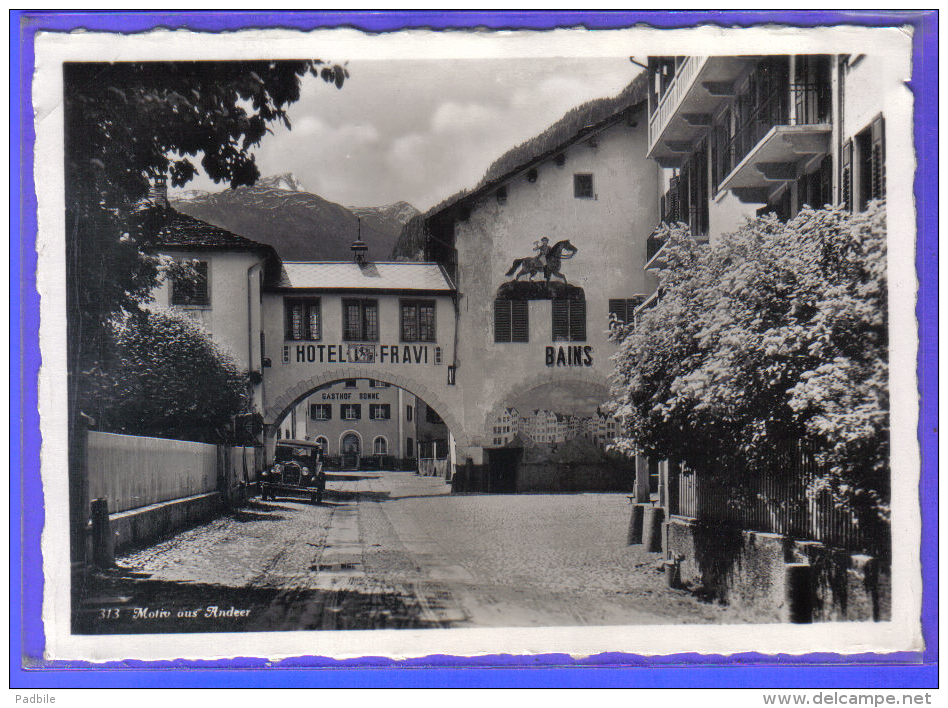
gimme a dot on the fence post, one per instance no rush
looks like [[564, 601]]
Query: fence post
[[80, 553], [103, 546]]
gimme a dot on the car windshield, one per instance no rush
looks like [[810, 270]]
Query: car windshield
[[304, 455]]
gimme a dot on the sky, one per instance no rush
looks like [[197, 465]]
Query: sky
[[422, 130]]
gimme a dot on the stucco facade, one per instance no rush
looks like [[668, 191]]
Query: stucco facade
[[609, 231]]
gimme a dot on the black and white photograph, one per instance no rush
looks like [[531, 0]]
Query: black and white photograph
[[472, 342]]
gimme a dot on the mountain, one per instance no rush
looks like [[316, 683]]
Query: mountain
[[391, 217], [301, 226]]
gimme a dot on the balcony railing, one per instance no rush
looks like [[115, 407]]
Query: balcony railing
[[685, 74], [809, 107]]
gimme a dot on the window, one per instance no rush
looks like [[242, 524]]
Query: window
[[324, 443], [380, 411], [352, 383], [380, 446], [377, 384], [302, 319], [863, 167], [351, 411], [409, 448], [511, 321], [569, 320], [583, 186], [409, 413], [320, 411], [624, 308], [194, 292], [360, 320], [418, 320]]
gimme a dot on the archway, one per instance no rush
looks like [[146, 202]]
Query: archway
[[366, 423]]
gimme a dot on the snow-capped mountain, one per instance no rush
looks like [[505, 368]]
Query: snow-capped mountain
[[299, 225]]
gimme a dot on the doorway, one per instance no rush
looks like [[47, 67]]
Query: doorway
[[351, 451], [502, 464]]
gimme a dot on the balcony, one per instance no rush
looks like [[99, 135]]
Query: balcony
[[683, 111], [785, 136]]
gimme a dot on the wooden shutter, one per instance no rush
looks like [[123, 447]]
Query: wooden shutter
[[520, 322], [560, 320], [290, 319], [409, 322], [501, 320], [619, 309], [577, 320], [314, 411], [201, 292], [846, 177], [371, 315], [313, 328], [878, 158]]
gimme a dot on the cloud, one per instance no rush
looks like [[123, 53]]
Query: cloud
[[454, 117]]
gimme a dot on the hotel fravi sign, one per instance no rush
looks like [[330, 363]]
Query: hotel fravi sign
[[361, 353]]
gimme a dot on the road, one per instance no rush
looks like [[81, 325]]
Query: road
[[392, 550]]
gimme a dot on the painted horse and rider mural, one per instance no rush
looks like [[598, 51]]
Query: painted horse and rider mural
[[548, 260]]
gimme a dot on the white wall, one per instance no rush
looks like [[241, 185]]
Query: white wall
[[233, 316], [610, 233]]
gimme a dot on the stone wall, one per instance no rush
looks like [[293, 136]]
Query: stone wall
[[748, 570]]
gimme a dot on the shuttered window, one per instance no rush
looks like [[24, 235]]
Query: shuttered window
[[569, 320], [511, 321], [846, 179], [192, 292], [302, 319], [418, 320], [360, 320], [878, 158], [351, 411], [320, 411], [623, 309]]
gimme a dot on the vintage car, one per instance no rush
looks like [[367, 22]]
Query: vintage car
[[296, 472]]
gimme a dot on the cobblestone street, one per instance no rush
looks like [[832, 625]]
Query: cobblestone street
[[388, 550]]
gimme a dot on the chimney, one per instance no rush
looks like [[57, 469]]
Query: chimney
[[359, 248], [158, 194]]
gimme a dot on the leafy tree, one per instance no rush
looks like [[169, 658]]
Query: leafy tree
[[168, 379], [128, 124], [778, 332]]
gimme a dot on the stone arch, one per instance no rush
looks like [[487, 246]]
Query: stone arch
[[583, 376], [277, 410]]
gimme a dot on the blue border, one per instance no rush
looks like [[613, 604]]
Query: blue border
[[29, 670]]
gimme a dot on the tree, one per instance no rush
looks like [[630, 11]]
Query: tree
[[778, 332], [128, 124], [169, 379]]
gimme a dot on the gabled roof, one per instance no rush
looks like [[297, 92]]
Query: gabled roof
[[344, 275], [184, 232], [578, 124]]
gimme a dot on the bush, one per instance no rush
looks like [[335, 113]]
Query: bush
[[168, 378], [777, 332]]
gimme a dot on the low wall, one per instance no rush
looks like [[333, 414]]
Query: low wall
[[134, 471], [146, 525], [573, 477], [748, 570], [548, 478]]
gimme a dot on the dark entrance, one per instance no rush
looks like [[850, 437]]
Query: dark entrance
[[502, 464], [351, 451]]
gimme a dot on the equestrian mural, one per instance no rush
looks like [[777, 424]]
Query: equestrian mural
[[548, 260]]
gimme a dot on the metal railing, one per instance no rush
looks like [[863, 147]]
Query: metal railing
[[776, 498], [809, 107]]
